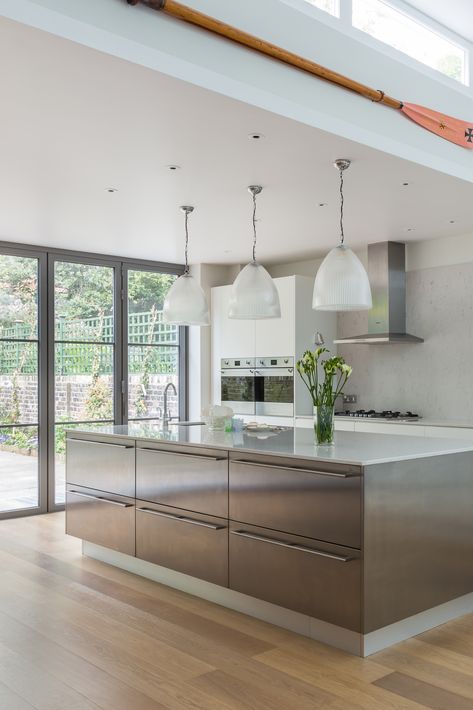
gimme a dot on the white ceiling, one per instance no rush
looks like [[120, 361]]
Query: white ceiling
[[456, 15], [75, 122]]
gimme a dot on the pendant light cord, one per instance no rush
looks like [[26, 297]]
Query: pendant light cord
[[254, 226], [342, 235], [186, 218]]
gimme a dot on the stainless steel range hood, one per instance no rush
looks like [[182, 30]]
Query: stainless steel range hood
[[387, 275]]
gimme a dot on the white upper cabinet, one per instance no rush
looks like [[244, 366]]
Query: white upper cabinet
[[275, 337], [230, 337]]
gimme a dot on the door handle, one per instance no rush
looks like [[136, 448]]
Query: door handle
[[291, 546], [102, 500], [292, 468], [200, 457], [101, 443], [181, 519]]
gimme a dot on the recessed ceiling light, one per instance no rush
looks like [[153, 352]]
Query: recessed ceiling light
[[405, 184], [323, 204], [410, 229], [255, 136], [452, 221], [173, 167], [112, 189]]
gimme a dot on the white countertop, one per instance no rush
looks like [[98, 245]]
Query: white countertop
[[361, 449], [421, 421]]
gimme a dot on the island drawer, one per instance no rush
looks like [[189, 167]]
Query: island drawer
[[188, 542], [105, 465], [183, 477], [321, 501], [307, 576], [99, 517]]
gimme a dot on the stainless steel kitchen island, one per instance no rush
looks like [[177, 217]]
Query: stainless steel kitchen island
[[358, 545]]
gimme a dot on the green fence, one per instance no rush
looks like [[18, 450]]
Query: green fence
[[82, 358]]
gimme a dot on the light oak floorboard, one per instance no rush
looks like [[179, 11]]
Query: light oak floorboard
[[78, 634]]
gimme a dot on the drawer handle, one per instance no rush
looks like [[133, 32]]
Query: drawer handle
[[200, 457], [103, 500], [101, 443], [181, 518], [291, 546], [293, 468]]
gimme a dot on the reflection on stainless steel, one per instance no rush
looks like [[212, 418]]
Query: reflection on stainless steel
[[321, 502], [106, 521], [192, 479], [198, 548], [108, 466]]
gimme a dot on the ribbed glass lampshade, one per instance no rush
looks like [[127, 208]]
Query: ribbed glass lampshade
[[185, 303], [341, 283], [254, 295]]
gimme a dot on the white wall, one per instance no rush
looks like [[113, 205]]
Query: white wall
[[161, 43]]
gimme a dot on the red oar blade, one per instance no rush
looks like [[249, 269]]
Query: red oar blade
[[452, 129]]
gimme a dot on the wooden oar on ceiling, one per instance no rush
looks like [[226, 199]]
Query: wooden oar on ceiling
[[447, 127]]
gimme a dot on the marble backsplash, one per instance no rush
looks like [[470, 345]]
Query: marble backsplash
[[434, 378]]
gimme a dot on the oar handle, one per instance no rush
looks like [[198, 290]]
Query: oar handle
[[187, 14]]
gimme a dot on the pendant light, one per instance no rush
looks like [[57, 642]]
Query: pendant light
[[341, 283], [254, 295], [185, 303]]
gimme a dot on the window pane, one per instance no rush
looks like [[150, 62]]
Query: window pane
[[150, 369], [18, 468], [18, 297], [83, 381], [330, 6], [404, 33], [83, 296], [18, 383], [146, 293]]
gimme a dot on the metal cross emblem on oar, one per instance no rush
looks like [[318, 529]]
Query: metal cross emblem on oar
[[452, 129]]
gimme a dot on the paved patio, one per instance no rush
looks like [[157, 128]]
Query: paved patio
[[19, 481]]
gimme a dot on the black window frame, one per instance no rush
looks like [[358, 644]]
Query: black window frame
[[47, 257]]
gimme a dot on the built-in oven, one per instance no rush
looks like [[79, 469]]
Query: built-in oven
[[263, 386], [237, 384], [274, 386]]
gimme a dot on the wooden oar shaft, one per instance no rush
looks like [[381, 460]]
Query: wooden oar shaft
[[187, 14]]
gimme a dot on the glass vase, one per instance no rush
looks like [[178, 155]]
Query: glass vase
[[323, 424]]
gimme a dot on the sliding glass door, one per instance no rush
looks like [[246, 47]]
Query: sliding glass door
[[84, 329], [152, 353], [22, 444], [82, 341]]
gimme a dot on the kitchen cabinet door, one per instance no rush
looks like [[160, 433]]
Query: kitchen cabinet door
[[308, 576], [231, 338], [102, 518], [107, 465], [276, 336], [187, 542]]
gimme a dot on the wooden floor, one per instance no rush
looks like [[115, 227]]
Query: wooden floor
[[76, 634]]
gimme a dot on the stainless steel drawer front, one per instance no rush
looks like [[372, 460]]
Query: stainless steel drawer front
[[105, 520], [318, 504], [187, 480], [307, 576], [193, 544], [102, 465]]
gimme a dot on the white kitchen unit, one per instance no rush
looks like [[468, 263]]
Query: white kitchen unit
[[287, 336]]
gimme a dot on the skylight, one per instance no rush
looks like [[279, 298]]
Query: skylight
[[388, 24]]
